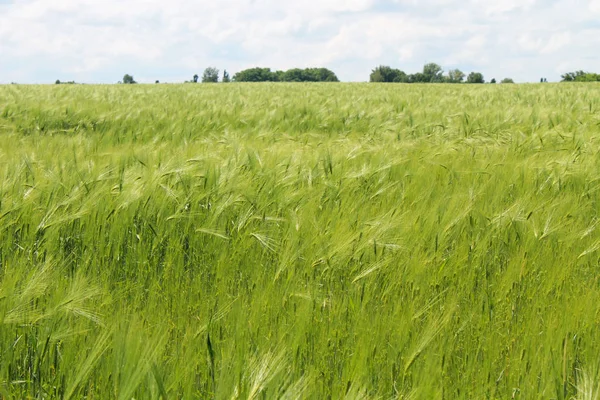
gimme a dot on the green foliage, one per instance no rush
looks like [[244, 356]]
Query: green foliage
[[493, 80], [226, 78], [292, 75], [383, 73], [308, 75], [295, 75], [507, 80], [278, 76], [475, 77], [580, 76], [418, 77], [433, 73], [128, 79], [455, 76], [299, 241], [320, 75], [255, 75], [210, 75]]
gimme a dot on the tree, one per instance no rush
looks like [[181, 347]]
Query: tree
[[384, 73], [157, 81], [278, 76], [306, 75], [401, 77], [419, 77], [255, 75], [507, 80], [226, 77], [57, 82], [295, 75], [195, 78], [455, 76], [320, 75], [128, 79], [475, 77], [210, 75], [327, 75], [291, 75], [580, 76], [433, 73], [377, 75], [493, 80]]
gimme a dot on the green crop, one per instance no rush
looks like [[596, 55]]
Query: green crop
[[300, 241]]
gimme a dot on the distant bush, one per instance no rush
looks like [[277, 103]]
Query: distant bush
[[507, 80], [128, 79], [475, 77]]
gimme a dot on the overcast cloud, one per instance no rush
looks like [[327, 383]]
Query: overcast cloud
[[101, 40]]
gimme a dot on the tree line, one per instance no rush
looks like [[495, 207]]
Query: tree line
[[432, 73], [291, 75], [212, 75], [580, 76]]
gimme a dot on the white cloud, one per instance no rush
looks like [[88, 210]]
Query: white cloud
[[557, 42], [503, 6], [529, 43], [95, 40], [541, 45]]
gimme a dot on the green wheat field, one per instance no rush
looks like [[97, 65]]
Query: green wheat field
[[300, 241]]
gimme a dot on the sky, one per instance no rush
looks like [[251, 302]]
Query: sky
[[98, 41]]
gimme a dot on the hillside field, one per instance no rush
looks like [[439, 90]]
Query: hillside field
[[300, 241]]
